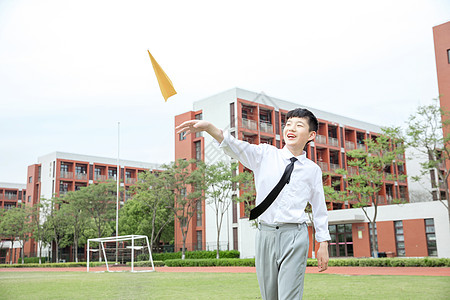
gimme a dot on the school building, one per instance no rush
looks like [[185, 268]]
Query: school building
[[259, 118], [11, 195], [57, 173]]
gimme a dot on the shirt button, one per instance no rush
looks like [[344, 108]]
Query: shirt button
[[277, 227]]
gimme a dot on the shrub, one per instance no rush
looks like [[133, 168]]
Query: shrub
[[34, 260], [156, 263], [248, 262], [190, 255]]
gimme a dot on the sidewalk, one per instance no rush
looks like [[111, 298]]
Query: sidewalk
[[415, 271]]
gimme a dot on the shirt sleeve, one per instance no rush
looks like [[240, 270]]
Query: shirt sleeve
[[249, 155], [319, 210]]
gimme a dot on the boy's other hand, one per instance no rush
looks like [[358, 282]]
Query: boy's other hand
[[322, 257]]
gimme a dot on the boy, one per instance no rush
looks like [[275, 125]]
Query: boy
[[282, 236]]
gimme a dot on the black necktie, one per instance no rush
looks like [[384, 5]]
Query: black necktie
[[258, 210]]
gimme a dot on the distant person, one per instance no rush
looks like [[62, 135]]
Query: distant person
[[282, 237]]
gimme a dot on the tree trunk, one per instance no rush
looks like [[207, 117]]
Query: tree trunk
[[40, 251], [21, 252], [375, 252]]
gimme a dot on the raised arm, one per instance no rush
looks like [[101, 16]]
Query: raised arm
[[194, 126]]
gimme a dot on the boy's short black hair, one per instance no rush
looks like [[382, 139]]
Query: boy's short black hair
[[304, 113]]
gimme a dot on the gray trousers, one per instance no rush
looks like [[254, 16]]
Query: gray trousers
[[280, 259]]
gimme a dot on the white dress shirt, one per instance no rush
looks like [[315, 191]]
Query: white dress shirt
[[268, 164]]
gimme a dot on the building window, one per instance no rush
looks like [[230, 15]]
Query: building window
[[29, 198], [199, 117], [182, 136], [232, 116], [399, 238], [448, 55], [199, 213], [198, 151], [199, 240], [341, 243], [234, 207], [370, 238], [235, 239], [112, 174], [431, 237], [30, 179]]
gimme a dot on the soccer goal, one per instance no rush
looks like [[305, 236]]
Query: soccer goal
[[121, 249]]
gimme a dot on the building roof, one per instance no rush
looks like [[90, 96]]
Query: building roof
[[10, 185], [98, 159], [277, 103]]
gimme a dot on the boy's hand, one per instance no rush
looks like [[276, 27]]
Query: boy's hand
[[322, 256], [194, 126]]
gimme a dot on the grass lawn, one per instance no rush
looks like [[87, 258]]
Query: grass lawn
[[81, 285]]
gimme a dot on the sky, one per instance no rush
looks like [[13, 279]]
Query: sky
[[71, 70]]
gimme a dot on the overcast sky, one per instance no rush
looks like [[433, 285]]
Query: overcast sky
[[70, 70]]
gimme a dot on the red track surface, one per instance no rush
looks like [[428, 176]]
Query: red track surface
[[422, 271]]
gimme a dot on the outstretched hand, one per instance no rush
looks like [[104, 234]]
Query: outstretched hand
[[193, 126]]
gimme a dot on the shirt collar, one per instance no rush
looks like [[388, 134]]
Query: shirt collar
[[287, 154]]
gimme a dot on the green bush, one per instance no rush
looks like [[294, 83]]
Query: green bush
[[53, 265], [210, 262], [34, 260], [156, 263], [190, 255]]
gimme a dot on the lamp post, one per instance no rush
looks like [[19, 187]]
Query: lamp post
[[117, 193]]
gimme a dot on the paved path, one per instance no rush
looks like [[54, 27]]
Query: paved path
[[422, 271]]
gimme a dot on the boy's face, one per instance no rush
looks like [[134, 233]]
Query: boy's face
[[296, 132]]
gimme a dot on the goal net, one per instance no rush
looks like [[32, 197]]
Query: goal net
[[120, 250]]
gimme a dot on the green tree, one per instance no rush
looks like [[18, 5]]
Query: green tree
[[56, 224], [99, 203], [16, 224], [38, 227], [363, 187], [220, 179], [77, 218], [151, 203], [185, 180], [247, 192], [425, 133]]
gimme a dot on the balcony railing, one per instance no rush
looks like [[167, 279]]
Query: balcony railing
[[361, 146], [381, 199], [321, 139], [10, 196], [112, 177], [349, 145], [130, 180], [249, 124], [81, 176], [352, 170], [99, 177], [266, 127], [67, 175], [323, 166], [334, 167], [333, 141]]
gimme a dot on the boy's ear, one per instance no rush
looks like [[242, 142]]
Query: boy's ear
[[312, 135]]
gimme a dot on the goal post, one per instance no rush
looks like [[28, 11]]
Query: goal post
[[132, 248]]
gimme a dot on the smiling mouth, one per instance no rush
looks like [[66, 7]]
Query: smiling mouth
[[290, 136]]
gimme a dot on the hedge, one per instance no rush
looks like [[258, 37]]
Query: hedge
[[250, 262], [347, 262], [190, 255], [156, 263], [386, 262], [247, 262], [35, 260], [53, 265]]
